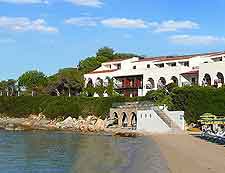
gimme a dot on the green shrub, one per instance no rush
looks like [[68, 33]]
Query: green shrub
[[55, 107], [198, 100]]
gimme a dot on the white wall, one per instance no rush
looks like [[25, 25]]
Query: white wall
[[177, 117], [212, 69], [152, 123], [167, 72]]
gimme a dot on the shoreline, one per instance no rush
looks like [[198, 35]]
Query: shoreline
[[187, 154], [82, 126]]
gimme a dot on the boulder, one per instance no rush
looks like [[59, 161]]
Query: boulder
[[91, 120], [100, 125], [80, 118], [91, 128], [67, 123], [84, 127]]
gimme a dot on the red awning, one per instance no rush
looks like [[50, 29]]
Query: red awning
[[191, 72]]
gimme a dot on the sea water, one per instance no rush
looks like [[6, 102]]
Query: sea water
[[67, 152]]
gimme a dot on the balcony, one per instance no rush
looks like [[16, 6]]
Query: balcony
[[128, 85]]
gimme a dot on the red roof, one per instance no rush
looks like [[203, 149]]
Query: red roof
[[172, 58], [192, 72], [103, 71]]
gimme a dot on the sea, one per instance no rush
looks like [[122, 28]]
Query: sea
[[68, 152]]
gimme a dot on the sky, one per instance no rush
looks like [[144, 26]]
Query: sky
[[47, 35]]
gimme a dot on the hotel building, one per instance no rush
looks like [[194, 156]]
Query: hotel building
[[136, 76]]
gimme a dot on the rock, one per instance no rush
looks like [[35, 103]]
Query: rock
[[91, 120], [109, 122], [100, 125], [84, 127], [91, 128], [122, 133], [67, 123], [80, 118], [10, 126]]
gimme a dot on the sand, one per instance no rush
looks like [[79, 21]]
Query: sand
[[188, 154]]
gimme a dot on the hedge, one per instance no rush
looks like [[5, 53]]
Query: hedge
[[198, 100], [193, 100], [55, 107]]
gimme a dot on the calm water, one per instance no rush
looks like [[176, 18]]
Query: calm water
[[60, 152]]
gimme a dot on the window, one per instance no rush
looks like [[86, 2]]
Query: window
[[141, 115], [110, 66], [186, 63], [148, 65], [217, 59], [160, 65], [134, 67], [118, 66], [193, 81], [173, 64], [146, 115], [150, 116]]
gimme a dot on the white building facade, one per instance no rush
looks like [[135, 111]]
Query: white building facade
[[136, 76]]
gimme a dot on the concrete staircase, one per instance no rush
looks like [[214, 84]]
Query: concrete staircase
[[170, 123]]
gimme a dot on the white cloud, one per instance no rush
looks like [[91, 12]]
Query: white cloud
[[7, 40], [82, 21], [25, 1], [124, 23], [90, 3], [171, 25], [23, 24], [196, 40]]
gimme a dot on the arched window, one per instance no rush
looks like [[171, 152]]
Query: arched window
[[220, 78], [124, 120], [99, 82], [115, 118], [175, 80], [161, 82], [89, 83], [150, 84], [134, 121], [207, 80]]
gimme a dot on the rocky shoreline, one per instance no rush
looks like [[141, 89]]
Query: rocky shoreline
[[89, 125]]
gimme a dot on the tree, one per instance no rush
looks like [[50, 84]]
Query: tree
[[67, 81], [89, 64], [11, 86], [105, 52], [32, 80], [2, 87]]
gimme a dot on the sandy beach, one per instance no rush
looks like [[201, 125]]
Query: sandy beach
[[188, 154]]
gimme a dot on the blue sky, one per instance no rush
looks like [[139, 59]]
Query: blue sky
[[52, 34]]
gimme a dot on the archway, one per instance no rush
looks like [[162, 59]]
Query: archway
[[124, 120], [161, 82], [207, 79], [175, 80], [133, 121], [107, 81], [220, 78], [150, 84], [89, 83], [115, 118], [99, 82]]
